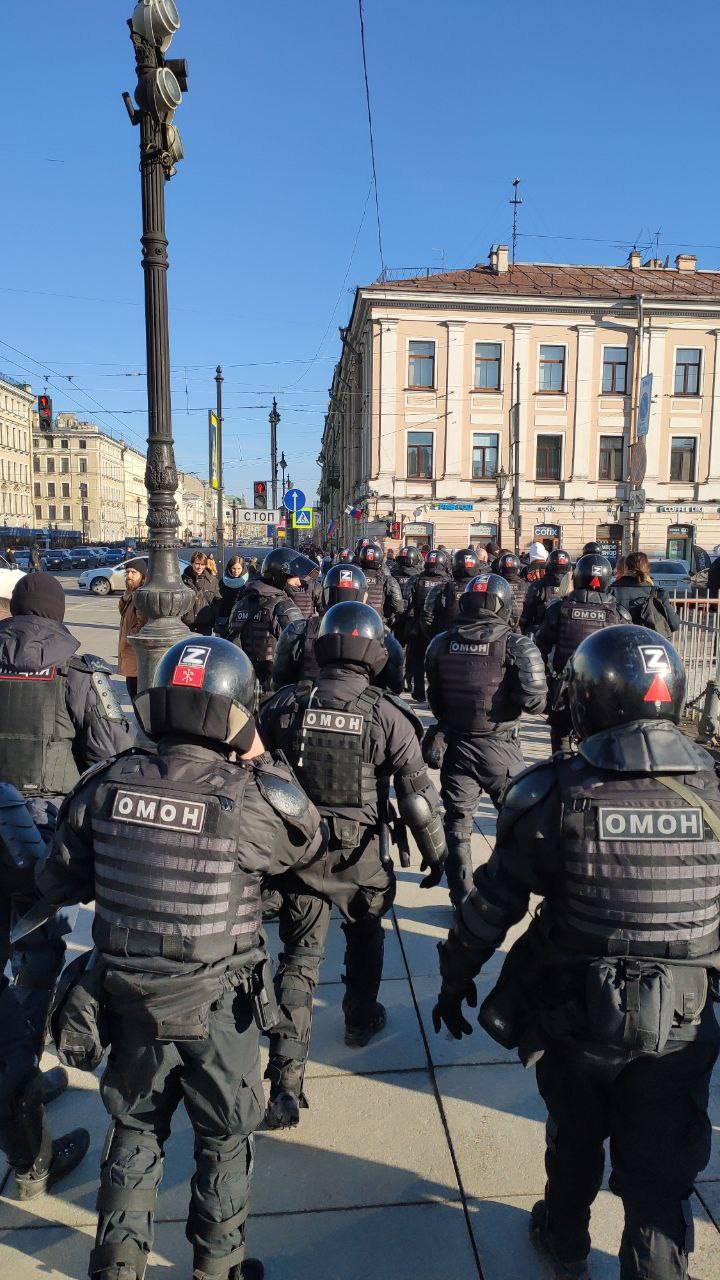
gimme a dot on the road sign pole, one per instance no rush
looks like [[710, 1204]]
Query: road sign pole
[[220, 495]]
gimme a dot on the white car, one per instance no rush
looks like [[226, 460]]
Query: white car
[[111, 578], [9, 577]]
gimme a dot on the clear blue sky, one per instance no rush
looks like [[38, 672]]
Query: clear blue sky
[[608, 113]]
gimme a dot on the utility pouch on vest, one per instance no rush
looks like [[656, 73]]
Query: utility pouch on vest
[[630, 1003], [77, 1017], [346, 832], [261, 990]]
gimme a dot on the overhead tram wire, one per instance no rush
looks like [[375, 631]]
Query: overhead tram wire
[[372, 136]]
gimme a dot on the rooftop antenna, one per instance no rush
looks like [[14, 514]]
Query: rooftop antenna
[[515, 202]]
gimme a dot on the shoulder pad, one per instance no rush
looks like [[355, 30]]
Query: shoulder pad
[[278, 785], [106, 697], [529, 788], [90, 662], [409, 714]]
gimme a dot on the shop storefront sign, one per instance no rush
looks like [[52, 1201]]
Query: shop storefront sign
[[452, 506], [681, 507]]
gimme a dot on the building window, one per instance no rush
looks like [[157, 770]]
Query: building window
[[552, 368], [421, 364], [687, 371], [83, 490], [38, 513], [548, 458], [52, 513], [66, 491], [487, 366], [51, 490], [37, 490], [82, 466], [420, 455], [84, 513], [484, 457], [611, 458], [36, 442], [615, 370], [65, 465], [50, 466], [66, 513], [64, 444], [82, 444], [36, 462], [682, 458]]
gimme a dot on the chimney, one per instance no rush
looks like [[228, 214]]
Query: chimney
[[499, 259], [686, 262], [634, 260]]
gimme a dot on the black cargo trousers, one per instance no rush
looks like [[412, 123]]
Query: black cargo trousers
[[654, 1110], [473, 763], [363, 888], [21, 1110], [218, 1079]]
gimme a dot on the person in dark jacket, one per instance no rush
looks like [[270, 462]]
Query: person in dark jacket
[[481, 676], [568, 621], [648, 605], [542, 589], [234, 579], [436, 570], [408, 564], [609, 992], [384, 593], [509, 568], [172, 844], [58, 716], [265, 607], [713, 580], [295, 657], [440, 609], [205, 587]]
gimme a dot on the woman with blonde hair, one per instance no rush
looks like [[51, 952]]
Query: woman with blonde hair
[[648, 605]]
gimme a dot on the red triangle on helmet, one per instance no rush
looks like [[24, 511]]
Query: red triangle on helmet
[[595, 584], [658, 691], [355, 632]]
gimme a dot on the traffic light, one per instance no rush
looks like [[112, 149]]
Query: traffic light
[[260, 495], [45, 413]]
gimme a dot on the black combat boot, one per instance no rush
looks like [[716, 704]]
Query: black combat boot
[[283, 1110], [50, 1166], [250, 1269], [53, 1084], [459, 868], [542, 1237], [361, 1025]]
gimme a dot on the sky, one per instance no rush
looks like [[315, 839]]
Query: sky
[[608, 113]]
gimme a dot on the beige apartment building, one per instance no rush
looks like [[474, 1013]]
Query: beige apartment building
[[16, 406], [79, 481], [438, 373]]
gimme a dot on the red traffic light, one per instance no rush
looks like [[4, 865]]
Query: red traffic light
[[45, 411], [260, 495]]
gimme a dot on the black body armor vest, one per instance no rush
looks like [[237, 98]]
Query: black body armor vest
[[446, 610], [36, 732], [423, 585], [641, 872], [578, 620], [376, 589], [167, 879], [330, 750], [308, 668], [470, 673], [303, 598], [253, 621]]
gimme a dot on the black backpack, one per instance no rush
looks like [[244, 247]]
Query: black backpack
[[650, 612]]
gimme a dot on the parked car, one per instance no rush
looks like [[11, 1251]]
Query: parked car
[[104, 580], [9, 576], [115, 555], [673, 575], [81, 557], [22, 560], [57, 561]]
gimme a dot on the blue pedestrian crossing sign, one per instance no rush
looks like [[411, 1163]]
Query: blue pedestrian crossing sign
[[294, 500], [303, 519]]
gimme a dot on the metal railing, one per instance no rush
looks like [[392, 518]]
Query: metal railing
[[698, 643]]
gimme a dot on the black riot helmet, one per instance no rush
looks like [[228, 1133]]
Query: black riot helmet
[[487, 593], [592, 573], [623, 674], [508, 563], [343, 555], [283, 563], [592, 549], [370, 556], [341, 583], [465, 564], [558, 559], [352, 633], [409, 558], [204, 687], [361, 542], [437, 563]]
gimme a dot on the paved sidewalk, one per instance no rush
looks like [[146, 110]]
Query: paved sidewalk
[[419, 1158]]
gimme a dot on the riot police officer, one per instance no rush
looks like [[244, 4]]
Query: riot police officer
[[436, 570], [172, 845], [295, 654], [440, 609], [481, 676], [545, 589], [609, 990], [383, 591], [346, 739], [509, 568], [344, 555], [407, 565], [567, 622], [266, 606]]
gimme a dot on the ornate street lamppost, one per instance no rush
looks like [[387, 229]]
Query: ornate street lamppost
[[163, 598], [501, 480]]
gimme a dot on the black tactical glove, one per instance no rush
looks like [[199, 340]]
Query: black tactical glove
[[434, 747], [435, 874], [458, 967]]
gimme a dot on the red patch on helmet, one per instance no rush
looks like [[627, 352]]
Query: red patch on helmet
[[355, 632], [481, 585], [595, 584], [189, 677], [469, 561], [658, 691]]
